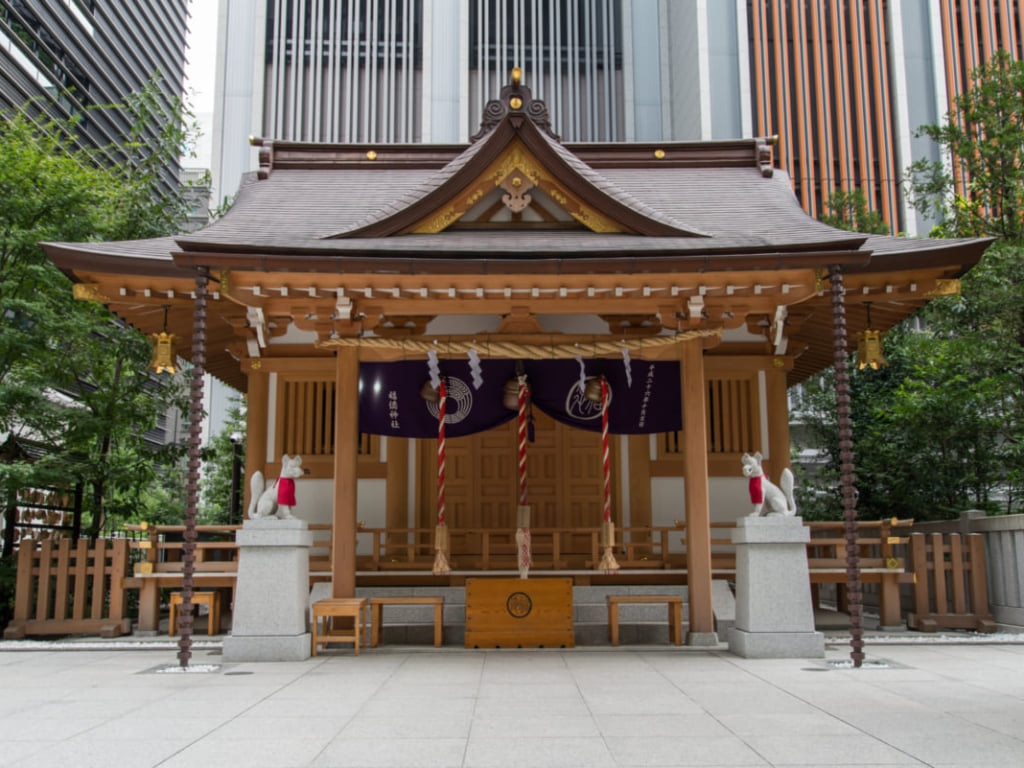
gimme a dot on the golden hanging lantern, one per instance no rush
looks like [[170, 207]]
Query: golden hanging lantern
[[869, 351], [869, 347], [165, 350]]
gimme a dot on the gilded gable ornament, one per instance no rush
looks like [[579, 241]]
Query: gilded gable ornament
[[517, 199]]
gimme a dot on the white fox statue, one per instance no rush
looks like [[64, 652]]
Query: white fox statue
[[768, 498], [278, 499]]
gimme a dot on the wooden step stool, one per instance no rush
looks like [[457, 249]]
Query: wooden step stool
[[377, 613], [210, 599], [348, 607], [675, 614]]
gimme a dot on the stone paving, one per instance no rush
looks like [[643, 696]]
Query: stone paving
[[942, 703]]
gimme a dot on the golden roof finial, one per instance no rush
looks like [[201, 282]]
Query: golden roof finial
[[517, 75]]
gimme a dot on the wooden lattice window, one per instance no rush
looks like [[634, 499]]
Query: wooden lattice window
[[369, 445], [671, 443], [306, 421], [732, 415], [732, 419]]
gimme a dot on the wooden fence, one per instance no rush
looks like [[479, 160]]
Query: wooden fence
[[1004, 559], [71, 588], [950, 585]]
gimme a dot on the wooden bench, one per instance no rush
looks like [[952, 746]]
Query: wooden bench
[[675, 614], [210, 599], [339, 607], [377, 612]]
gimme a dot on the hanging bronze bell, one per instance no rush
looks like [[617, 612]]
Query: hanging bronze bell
[[592, 389], [428, 393], [510, 394]]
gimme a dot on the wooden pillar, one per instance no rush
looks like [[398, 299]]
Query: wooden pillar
[[639, 451], [257, 416], [777, 405], [396, 503], [698, 506], [346, 451]]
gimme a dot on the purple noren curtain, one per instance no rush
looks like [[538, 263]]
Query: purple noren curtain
[[390, 401]]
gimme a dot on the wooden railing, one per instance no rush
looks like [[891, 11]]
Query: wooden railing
[[157, 565], [882, 561], [157, 549], [881, 548], [155, 556], [1003, 537], [384, 549]]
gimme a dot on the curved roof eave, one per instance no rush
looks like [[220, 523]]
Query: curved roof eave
[[964, 252], [146, 257], [178, 257]]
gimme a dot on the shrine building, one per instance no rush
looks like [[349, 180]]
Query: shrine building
[[384, 307]]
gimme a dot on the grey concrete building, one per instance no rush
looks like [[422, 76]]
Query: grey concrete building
[[67, 57], [843, 85]]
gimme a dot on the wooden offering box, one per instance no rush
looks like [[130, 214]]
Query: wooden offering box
[[519, 613]]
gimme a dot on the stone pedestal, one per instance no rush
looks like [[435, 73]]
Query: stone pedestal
[[774, 614], [270, 617]]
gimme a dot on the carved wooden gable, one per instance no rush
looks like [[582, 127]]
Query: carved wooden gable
[[516, 190]]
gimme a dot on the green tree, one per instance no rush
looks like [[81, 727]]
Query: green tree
[[980, 192], [942, 428], [926, 431], [979, 335], [147, 206], [219, 459], [70, 374], [162, 503], [849, 210]]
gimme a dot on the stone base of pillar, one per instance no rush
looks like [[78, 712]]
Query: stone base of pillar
[[702, 639], [774, 613], [776, 645], [270, 616], [267, 647]]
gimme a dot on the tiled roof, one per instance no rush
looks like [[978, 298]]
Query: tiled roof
[[301, 211], [733, 207]]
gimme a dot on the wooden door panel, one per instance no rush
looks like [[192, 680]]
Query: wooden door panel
[[545, 514], [459, 482], [565, 478], [496, 487], [584, 478]]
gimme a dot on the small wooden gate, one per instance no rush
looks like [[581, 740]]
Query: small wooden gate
[[950, 587], [71, 589]]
